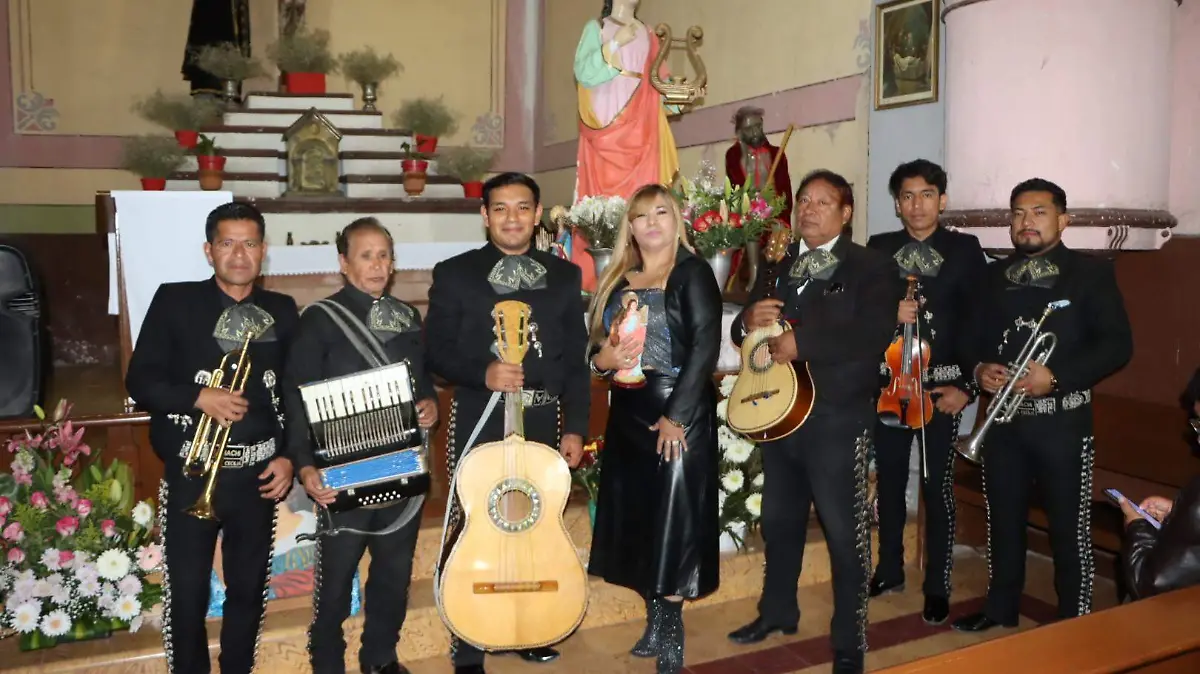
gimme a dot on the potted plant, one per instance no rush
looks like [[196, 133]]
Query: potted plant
[[595, 220], [428, 119], [305, 60], [210, 163], [77, 556], [152, 158], [180, 113], [415, 165], [227, 62], [468, 164], [367, 68]]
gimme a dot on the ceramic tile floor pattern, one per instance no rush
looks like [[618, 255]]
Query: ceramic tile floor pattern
[[896, 633]]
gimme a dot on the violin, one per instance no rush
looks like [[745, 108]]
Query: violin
[[904, 403]]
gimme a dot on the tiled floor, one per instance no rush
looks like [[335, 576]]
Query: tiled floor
[[896, 633]]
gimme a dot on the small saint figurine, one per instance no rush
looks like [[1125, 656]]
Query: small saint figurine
[[630, 324]]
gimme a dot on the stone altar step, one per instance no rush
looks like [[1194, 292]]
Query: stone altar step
[[272, 185], [282, 648], [228, 137], [268, 161], [421, 219], [273, 100], [342, 120]]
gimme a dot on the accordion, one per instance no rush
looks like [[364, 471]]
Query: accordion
[[368, 446]]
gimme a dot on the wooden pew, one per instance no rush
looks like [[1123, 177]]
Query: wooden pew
[[1156, 635]]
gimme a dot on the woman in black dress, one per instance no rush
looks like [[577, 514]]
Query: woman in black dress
[[656, 517]]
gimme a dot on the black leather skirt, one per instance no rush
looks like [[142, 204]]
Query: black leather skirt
[[656, 521]]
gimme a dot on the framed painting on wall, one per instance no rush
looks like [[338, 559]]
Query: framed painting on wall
[[906, 53]]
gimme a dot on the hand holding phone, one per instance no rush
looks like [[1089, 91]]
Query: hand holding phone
[[1117, 497]]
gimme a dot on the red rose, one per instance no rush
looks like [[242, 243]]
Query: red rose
[[735, 220], [706, 220]]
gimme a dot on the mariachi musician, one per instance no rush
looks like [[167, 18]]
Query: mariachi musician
[[1049, 439], [554, 377], [948, 266], [841, 301], [187, 330], [322, 351]]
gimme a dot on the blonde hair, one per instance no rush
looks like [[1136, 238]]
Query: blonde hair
[[626, 255]]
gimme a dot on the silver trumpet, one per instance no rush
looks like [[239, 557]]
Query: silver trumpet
[[1008, 399]]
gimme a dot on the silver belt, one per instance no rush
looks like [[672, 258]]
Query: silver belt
[[1033, 407], [537, 398], [239, 456]]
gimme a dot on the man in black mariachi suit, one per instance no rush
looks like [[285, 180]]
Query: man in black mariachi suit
[[186, 331], [949, 267], [841, 301], [1049, 439], [321, 351], [554, 374]]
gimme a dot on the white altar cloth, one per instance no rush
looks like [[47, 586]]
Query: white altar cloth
[[162, 241]]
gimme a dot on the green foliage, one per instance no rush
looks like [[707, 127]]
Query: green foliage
[[426, 116], [227, 62], [179, 112], [366, 66], [151, 156], [206, 147], [467, 163], [304, 51]]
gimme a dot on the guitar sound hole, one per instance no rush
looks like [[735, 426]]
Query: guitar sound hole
[[760, 357], [514, 505]]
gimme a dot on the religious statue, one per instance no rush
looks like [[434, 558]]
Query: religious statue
[[752, 156], [214, 22], [291, 16], [624, 139], [630, 324], [312, 156]]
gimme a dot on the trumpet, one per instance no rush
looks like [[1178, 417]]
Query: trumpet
[[207, 452], [1008, 400]]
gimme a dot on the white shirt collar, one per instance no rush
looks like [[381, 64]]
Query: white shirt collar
[[828, 245]]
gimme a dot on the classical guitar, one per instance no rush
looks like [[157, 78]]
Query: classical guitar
[[770, 400], [904, 402], [513, 579]]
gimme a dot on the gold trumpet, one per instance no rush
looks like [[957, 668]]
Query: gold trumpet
[[208, 445], [1008, 400]]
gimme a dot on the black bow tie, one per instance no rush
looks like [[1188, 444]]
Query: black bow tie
[[1036, 272], [517, 272], [817, 263], [919, 258]]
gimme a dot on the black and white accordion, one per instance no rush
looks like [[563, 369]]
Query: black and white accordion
[[368, 446]]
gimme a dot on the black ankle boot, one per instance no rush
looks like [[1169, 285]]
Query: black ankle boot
[[670, 638], [647, 646]]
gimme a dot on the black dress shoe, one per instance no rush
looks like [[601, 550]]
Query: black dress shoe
[[757, 631], [543, 654], [978, 622], [390, 668], [937, 609], [469, 669], [847, 662], [881, 587]]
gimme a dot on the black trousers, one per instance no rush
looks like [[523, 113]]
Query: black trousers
[[1055, 451], [247, 527], [893, 450], [385, 596], [542, 424], [823, 463]]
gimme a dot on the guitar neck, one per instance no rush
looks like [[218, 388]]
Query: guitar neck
[[514, 414]]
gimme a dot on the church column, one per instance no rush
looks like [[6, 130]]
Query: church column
[[1074, 91]]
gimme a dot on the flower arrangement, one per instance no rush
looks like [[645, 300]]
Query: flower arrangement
[[740, 497], [178, 112], [304, 51], [598, 218], [367, 66], [723, 216], [76, 551], [227, 62], [426, 117], [151, 156], [587, 474]]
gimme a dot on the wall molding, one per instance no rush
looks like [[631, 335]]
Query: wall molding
[[805, 106]]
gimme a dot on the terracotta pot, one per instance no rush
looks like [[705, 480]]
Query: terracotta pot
[[154, 184], [414, 182], [426, 143], [187, 139], [305, 83], [473, 190], [414, 165], [211, 179], [210, 162]]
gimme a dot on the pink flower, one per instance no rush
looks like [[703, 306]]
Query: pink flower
[[14, 532], [38, 500], [149, 557], [15, 556], [66, 495], [108, 528], [760, 208], [67, 526], [22, 478], [65, 557], [83, 507], [3, 519], [5, 505], [71, 444]]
